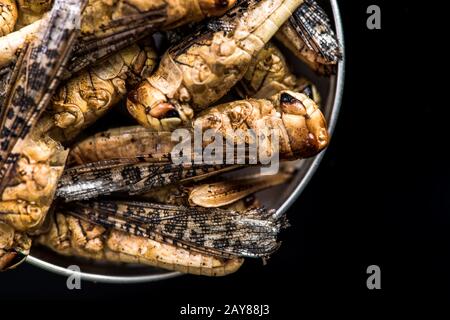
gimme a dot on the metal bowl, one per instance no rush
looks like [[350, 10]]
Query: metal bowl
[[331, 90]]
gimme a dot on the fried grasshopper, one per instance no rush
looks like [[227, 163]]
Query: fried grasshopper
[[29, 190], [206, 65], [293, 117], [220, 232], [308, 34], [30, 161], [146, 163], [152, 234], [130, 160], [215, 249], [71, 236]]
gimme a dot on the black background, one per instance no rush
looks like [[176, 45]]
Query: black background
[[380, 196]]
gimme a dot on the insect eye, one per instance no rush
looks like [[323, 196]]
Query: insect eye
[[172, 114]]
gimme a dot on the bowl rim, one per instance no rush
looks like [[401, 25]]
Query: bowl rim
[[312, 166]]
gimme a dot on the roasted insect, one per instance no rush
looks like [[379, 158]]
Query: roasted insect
[[35, 78], [29, 191], [133, 160], [8, 16], [74, 237], [269, 74], [87, 96], [126, 142], [295, 119], [223, 233], [204, 67], [14, 246], [31, 162], [150, 233], [297, 122], [122, 195], [308, 34]]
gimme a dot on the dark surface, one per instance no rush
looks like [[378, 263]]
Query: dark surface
[[381, 196]]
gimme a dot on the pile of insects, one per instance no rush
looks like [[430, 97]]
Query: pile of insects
[[115, 194]]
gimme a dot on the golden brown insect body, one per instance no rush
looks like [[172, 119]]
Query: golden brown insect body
[[31, 162], [186, 231], [296, 120], [74, 237], [81, 100], [29, 193], [205, 66], [71, 236]]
